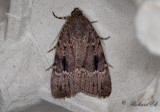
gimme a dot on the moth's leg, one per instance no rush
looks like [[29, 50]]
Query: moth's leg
[[52, 66], [109, 65], [52, 49], [105, 38], [54, 41], [93, 22], [60, 17]]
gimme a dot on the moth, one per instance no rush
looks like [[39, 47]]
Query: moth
[[80, 64]]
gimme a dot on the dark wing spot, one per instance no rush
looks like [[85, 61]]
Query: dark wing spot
[[95, 62], [65, 47], [60, 88], [64, 63]]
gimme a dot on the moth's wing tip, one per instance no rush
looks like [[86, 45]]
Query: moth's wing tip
[[105, 96], [61, 96]]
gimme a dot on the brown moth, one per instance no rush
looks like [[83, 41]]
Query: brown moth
[[79, 64]]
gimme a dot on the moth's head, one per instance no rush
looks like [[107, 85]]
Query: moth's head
[[76, 12]]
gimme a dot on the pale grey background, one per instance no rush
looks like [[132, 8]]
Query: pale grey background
[[46, 107], [27, 31]]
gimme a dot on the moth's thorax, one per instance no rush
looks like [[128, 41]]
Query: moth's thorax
[[78, 29]]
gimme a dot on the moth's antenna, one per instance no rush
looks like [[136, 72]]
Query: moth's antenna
[[66, 17]]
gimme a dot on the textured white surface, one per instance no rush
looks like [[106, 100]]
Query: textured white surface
[[148, 25], [30, 30]]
